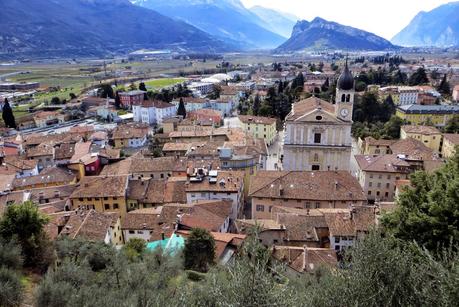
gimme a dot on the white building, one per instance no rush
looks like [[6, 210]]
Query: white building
[[318, 133], [153, 112], [203, 88]]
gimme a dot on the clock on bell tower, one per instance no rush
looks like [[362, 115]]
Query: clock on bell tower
[[344, 101]]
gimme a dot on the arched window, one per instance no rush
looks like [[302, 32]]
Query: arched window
[[316, 158], [348, 97], [343, 98]]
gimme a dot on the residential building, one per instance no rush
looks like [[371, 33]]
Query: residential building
[[206, 117], [260, 127], [130, 136], [192, 103], [101, 193], [131, 98], [304, 190], [217, 185], [450, 142], [52, 176], [202, 88], [377, 175], [428, 135], [153, 112], [145, 224], [372, 146], [48, 118], [408, 95], [318, 133], [416, 114], [93, 226]]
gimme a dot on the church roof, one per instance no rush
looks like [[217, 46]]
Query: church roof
[[346, 80], [307, 105]]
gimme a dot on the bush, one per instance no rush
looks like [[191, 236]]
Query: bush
[[10, 288], [195, 276]]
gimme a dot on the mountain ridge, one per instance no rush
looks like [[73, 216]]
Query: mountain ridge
[[320, 34]]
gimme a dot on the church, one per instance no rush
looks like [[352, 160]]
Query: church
[[318, 133]]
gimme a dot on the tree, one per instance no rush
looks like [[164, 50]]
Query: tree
[[25, 222], [392, 128], [72, 96], [256, 105], [142, 87], [452, 126], [419, 77], [55, 100], [199, 251], [444, 87], [428, 211], [11, 288], [326, 85], [181, 111], [7, 115], [117, 101], [105, 91], [135, 247]]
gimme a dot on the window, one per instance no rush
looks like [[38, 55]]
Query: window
[[379, 184], [380, 176], [107, 207], [80, 199], [371, 175], [140, 231], [316, 168], [115, 206], [316, 157], [388, 177], [369, 192], [377, 193], [317, 205], [162, 176], [387, 194], [89, 198], [317, 138], [105, 198], [131, 231], [307, 205], [203, 194], [370, 184], [336, 239], [336, 247], [270, 208], [387, 185], [96, 198], [260, 208]]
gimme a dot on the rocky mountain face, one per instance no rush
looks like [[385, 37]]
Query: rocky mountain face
[[63, 28], [277, 22], [321, 34], [438, 28], [225, 19]]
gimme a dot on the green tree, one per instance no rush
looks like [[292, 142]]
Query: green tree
[[444, 87], [105, 91], [181, 110], [428, 211], [72, 96], [419, 77], [10, 288], [199, 251], [452, 126], [142, 87], [55, 100], [25, 222], [117, 101], [7, 115], [392, 128], [256, 105]]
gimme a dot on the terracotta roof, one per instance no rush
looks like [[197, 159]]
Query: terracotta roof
[[304, 185], [248, 119], [303, 259], [101, 186], [156, 104], [362, 219], [140, 221], [64, 151], [222, 208], [50, 175], [426, 130], [381, 163], [307, 105], [36, 139], [40, 150], [199, 217], [413, 149], [227, 181], [381, 142], [56, 192], [130, 131], [91, 225], [301, 228], [145, 165], [6, 182], [243, 225], [19, 163], [81, 149]]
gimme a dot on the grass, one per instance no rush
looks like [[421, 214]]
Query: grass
[[164, 82]]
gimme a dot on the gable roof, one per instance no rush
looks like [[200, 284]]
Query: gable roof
[[305, 106], [91, 225]]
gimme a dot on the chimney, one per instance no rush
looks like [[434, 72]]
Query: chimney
[[305, 257]]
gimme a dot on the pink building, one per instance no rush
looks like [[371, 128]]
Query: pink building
[[205, 116], [132, 98]]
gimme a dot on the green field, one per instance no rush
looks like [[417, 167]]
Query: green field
[[161, 83]]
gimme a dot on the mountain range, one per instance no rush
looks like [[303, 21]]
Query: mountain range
[[323, 34], [62, 28], [277, 22], [438, 28], [228, 20]]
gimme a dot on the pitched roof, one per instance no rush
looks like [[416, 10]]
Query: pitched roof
[[307, 105], [101, 186], [248, 119], [50, 175], [91, 225], [381, 163], [426, 130], [305, 259], [451, 137], [227, 181], [321, 185], [301, 227], [381, 142], [413, 150]]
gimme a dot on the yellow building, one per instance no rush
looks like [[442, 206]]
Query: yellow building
[[429, 136], [48, 118], [417, 114], [259, 127], [101, 193], [372, 146], [450, 141]]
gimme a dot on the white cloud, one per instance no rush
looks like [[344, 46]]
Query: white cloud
[[383, 17]]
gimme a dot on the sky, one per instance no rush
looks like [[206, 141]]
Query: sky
[[382, 17]]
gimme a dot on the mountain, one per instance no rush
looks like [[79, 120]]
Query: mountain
[[277, 22], [439, 28], [322, 34], [225, 19], [63, 28]]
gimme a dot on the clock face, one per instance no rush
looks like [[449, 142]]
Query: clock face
[[344, 112]]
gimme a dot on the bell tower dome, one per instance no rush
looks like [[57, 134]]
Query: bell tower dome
[[344, 101]]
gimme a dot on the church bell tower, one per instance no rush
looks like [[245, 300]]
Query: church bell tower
[[344, 101]]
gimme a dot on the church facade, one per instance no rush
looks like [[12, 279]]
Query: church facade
[[318, 133]]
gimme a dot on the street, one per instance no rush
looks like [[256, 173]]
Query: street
[[274, 153]]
